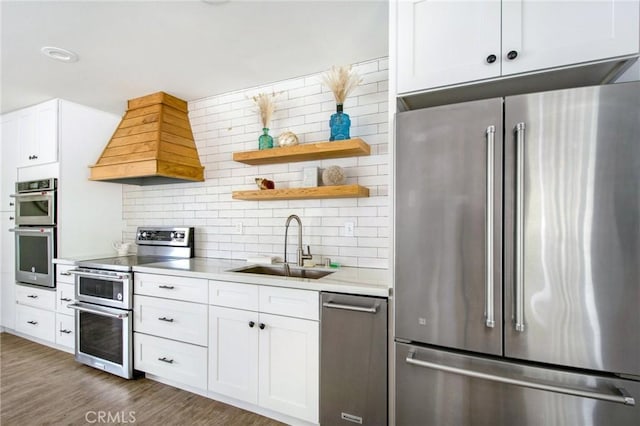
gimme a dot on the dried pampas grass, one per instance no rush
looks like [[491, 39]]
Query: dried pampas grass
[[266, 105], [341, 81]]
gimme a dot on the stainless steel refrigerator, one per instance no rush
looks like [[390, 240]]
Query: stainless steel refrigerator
[[517, 283]]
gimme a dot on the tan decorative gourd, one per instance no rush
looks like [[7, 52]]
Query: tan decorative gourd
[[287, 139]]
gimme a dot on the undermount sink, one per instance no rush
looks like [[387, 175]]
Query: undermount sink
[[280, 271]]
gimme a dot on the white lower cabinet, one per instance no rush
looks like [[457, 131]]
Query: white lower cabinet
[[177, 361], [65, 330], [267, 359], [170, 330], [35, 312], [233, 353], [289, 366], [36, 322]]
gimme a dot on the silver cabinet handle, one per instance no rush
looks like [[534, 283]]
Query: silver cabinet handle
[[65, 331], [519, 290], [32, 296], [165, 359], [488, 302], [65, 299], [65, 273], [166, 319], [166, 287], [623, 398], [97, 311], [332, 305], [32, 322]]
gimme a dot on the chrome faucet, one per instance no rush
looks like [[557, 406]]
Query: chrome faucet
[[301, 255]]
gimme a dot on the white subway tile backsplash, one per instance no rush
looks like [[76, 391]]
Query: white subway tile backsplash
[[228, 123]]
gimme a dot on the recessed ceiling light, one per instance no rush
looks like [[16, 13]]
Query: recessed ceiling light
[[62, 55]]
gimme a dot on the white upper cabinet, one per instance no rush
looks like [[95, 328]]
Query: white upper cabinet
[[446, 42], [38, 134], [443, 43], [10, 153]]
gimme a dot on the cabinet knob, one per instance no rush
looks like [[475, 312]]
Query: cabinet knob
[[11, 217], [262, 326], [251, 324], [491, 59], [11, 204], [512, 55]]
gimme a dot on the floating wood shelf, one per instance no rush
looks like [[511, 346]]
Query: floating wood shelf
[[305, 152], [340, 191]]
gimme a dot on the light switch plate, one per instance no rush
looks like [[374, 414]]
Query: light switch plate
[[349, 229]]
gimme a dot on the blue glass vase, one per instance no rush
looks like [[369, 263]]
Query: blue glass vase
[[265, 141], [340, 124]]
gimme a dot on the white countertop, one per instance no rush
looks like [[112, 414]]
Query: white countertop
[[364, 281]]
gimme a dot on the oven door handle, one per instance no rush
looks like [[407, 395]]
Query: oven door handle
[[32, 194], [33, 230], [104, 277], [97, 311]]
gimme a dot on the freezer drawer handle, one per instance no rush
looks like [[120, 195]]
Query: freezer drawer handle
[[519, 291], [624, 397], [488, 302], [332, 305]]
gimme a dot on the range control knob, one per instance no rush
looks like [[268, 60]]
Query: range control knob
[[145, 234], [173, 235]]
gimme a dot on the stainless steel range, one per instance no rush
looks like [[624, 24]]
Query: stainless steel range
[[104, 294]]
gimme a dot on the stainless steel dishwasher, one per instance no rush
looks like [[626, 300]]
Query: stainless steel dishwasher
[[353, 360]]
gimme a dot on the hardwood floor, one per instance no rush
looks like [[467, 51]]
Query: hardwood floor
[[40, 385]]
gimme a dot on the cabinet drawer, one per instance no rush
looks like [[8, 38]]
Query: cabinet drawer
[[65, 330], [290, 302], [172, 319], [63, 275], [180, 362], [233, 295], [36, 322], [36, 297], [65, 294], [178, 288]]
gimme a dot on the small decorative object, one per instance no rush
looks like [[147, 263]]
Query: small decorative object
[[310, 177], [341, 81], [266, 106], [287, 139], [265, 141], [334, 175], [265, 183]]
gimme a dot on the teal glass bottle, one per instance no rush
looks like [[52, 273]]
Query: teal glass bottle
[[340, 124], [265, 141]]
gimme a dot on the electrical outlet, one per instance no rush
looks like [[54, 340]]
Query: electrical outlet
[[349, 229], [237, 228]]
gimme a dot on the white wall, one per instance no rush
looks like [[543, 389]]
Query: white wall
[[228, 123]]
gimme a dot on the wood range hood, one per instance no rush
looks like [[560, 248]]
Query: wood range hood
[[152, 145]]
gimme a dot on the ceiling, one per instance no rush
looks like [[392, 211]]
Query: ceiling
[[191, 48]]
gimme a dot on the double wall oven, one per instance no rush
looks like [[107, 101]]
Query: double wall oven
[[104, 294], [35, 234]]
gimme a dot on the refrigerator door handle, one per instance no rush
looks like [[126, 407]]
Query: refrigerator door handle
[[488, 303], [519, 290], [623, 398]]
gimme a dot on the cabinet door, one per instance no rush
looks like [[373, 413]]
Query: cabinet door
[[65, 294], [65, 330], [36, 322], [38, 134], [7, 275], [10, 152], [446, 42], [289, 372], [183, 321], [551, 34], [176, 361], [233, 353]]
